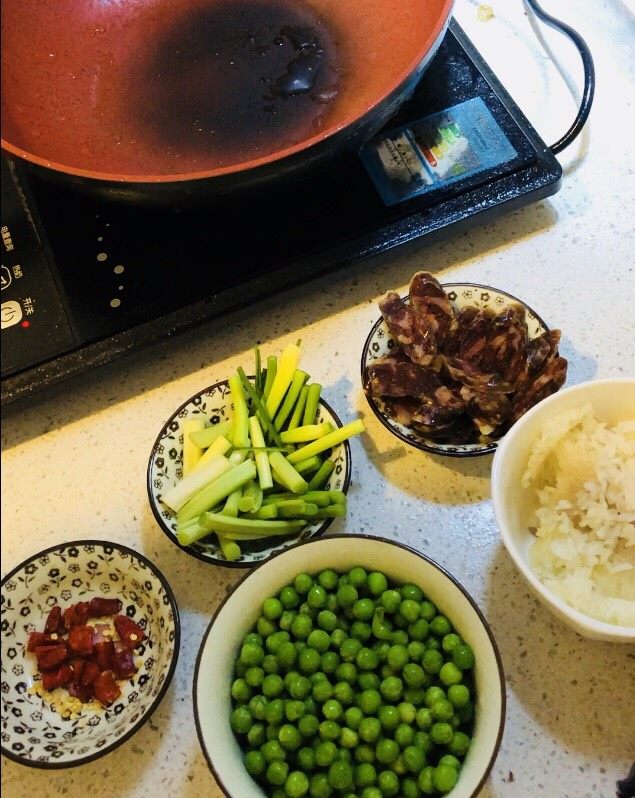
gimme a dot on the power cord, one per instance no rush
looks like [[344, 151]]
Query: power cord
[[589, 75]]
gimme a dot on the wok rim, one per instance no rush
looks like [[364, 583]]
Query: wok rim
[[425, 52]]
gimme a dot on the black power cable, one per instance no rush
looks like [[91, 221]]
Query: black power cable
[[589, 74]]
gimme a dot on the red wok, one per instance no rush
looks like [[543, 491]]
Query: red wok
[[139, 97]]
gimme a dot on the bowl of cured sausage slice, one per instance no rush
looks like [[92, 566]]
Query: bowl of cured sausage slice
[[450, 367], [90, 640]]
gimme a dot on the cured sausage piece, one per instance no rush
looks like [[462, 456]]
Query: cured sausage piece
[[550, 379], [37, 639], [475, 377], [122, 662], [106, 689], [402, 410], [58, 678], [418, 344], [131, 635], [504, 353], [432, 309], [487, 410], [538, 352], [392, 377], [49, 657], [76, 614], [103, 653], [99, 607], [457, 430], [54, 620], [473, 338], [80, 640], [464, 318]]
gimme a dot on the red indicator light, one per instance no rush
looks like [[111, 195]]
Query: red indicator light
[[26, 323]]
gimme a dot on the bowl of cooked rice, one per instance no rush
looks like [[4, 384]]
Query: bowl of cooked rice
[[563, 489]]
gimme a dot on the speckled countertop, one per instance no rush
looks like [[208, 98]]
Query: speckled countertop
[[74, 465]]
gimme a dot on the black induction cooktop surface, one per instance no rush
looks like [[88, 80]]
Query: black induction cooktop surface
[[88, 280]]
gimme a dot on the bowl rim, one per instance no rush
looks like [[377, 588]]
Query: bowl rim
[[168, 678], [419, 444], [409, 550], [326, 523], [580, 619]]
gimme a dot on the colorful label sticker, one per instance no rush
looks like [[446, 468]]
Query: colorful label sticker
[[436, 151]]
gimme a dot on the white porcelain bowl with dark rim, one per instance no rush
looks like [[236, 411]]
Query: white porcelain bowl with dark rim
[[33, 733], [165, 469], [239, 611], [612, 400], [379, 343]]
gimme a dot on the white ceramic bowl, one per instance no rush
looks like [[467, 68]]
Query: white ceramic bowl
[[613, 400], [233, 619], [33, 732]]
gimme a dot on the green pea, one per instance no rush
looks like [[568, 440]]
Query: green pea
[[265, 627], [386, 751], [305, 609], [309, 660], [407, 712], [388, 716], [272, 685], [400, 637], [258, 707], [388, 783], [412, 592], [390, 600], [308, 725], [274, 711], [369, 729], [338, 636], [346, 672], [416, 648], [340, 776], [255, 763], [297, 784], [319, 640], [325, 753], [328, 579], [426, 781], [369, 701], [440, 626], [458, 695], [391, 688], [286, 619], [251, 654], [434, 694], [302, 584], [414, 759], [382, 649], [270, 664], [272, 608], [257, 735], [353, 717], [331, 602], [366, 659], [377, 583], [368, 681], [445, 778], [348, 738], [254, 676], [316, 598], [459, 744], [344, 693], [361, 631], [329, 661], [241, 691], [397, 657], [409, 610], [273, 751], [419, 630], [327, 620], [364, 753], [441, 733], [289, 737], [299, 687], [332, 709], [349, 649], [410, 789], [432, 661], [357, 577], [416, 696], [319, 786], [449, 674], [466, 712], [413, 675], [364, 609], [463, 657], [241, 720], [293, 710], [289, 598], [277, 773], [302, 626], [322, 691], [275, 640], [427, 610], [330, 730], [450, 641], [404, 735], [424, 719], [433, 643], [450, 759], [344, 755], [365, 775], [371, 792], [346, 596], [254, 639]]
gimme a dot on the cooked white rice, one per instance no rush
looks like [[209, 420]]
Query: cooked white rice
[[583, 473]]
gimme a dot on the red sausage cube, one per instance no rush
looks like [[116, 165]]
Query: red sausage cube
[[49, 657], [80, 640], [106, 689], [131, 635], [54, 620], [57, 678]]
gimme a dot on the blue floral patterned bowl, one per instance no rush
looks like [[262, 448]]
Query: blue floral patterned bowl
[[165, 469], [380, 343], [48, 730]]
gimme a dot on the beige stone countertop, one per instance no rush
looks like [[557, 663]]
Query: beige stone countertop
[[73, 464]]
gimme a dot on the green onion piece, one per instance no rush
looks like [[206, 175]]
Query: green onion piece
[[270, 375], [251, 500], [309, 466], [296, 508], [204, 438], [218, 490], [319, 479], [258, 371], [286, 473], [287, 366], [262, 461], [231, 503], [312, 402], [266, 512], [306, 433], [231, 549], [246, 528], [299, 378], [337, 510], [241, 414], [298, 410], [262, 410], [195, 481], [327, 442]]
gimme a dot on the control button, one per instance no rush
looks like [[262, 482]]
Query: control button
[[5, 277], [10, 313]]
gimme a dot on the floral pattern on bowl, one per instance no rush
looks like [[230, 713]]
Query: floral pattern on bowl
[[33, 732], [379, 343], [165, 468]]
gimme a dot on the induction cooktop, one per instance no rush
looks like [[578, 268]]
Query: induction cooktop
[[86, 281]]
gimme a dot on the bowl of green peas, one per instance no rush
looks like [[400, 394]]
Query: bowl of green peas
[[349, 666]]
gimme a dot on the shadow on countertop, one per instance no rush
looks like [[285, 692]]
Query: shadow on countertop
[[223, 337]]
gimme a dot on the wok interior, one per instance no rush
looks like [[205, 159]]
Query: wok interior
[[198, 87]]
